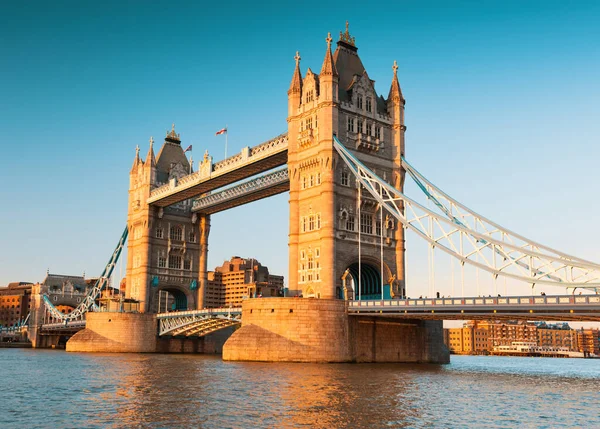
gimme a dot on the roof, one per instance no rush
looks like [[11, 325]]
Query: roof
[[59, 279], [348, 65]]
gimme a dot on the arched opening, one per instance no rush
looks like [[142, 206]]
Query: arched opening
[[171, 299], [370, 283]]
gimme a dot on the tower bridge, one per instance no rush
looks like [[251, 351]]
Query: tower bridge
[[343, 162]]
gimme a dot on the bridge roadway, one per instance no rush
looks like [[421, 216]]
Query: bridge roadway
[[248, 163], [550, 308], [543, 308]]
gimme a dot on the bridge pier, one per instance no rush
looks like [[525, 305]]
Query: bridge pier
[[320, 330]]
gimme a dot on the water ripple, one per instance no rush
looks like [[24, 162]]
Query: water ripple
[[52, 389]]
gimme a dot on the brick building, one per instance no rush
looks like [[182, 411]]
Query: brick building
[[15, 302], [480, 337]]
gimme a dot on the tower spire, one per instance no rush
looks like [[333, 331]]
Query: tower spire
[[328, 67], [395, 94], [150, 160], [136, 160], [296, 85]]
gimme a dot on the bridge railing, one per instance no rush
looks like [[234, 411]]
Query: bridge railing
[[203, 312], [516, 301]]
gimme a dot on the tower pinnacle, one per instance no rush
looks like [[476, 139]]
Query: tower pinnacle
[[346, 38], [328, 67], [296, 85], [395, 91]]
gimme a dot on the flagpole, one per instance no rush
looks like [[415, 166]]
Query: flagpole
[[226, 141]]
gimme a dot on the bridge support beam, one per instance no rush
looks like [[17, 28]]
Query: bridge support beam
[[320, 330]]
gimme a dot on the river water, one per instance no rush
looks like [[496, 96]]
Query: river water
[[55, 389]]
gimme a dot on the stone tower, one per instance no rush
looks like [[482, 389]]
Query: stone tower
[[325, 224], [163, 250]]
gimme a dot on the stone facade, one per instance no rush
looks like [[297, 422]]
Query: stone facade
[[325, 222], [116, 333], [166, 246], [320, 330]]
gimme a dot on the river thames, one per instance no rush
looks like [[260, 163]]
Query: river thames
[[55, 389]]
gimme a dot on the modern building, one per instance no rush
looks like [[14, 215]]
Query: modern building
[[238, 279]]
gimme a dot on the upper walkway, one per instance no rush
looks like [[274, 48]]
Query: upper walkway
[[249, 162]]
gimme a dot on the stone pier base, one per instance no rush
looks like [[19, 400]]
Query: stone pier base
[[116, 333], [320, 330], [137, 333]]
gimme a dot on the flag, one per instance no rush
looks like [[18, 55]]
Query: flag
[[222, 131], [188, 148]]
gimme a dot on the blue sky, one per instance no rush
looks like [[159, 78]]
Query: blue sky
[[502, 113]]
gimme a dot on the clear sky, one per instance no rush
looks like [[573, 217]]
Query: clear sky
[[502, 112]]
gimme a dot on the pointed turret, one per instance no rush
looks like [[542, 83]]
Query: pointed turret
[[328, 79], [295, 91], [328, 68], [395, 94], [296, 85], [150, 160], [136, 161]]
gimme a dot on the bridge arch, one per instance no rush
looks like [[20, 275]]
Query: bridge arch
[[173, 298], [370, 280]]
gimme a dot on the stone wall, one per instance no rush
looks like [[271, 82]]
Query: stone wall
[[379, 339], [116, 333], [291, 330], [320, 330]]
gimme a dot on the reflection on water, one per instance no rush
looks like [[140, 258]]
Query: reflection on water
[[52, 389]]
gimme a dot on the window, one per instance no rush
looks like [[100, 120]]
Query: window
[[378, 132], [366, 223], [309, 123], [187, 264], [304, 223], [316, 121], [176, 233], [192, 237], [350, 222], [137, 233], [309, 96], [345, 178], [369, 129], [318, 178], [317, 252], [159, 232], [368, 104], [378, 228], [311, 181], [311, 224], [175, 262], [162, 262], [360, 126], [350, 124], [303, 254], [360, 102], [318, 220], [318, 271], [304, 182]]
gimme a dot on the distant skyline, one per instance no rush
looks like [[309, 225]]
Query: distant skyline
[[502, 113]]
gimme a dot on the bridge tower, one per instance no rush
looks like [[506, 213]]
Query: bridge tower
[[163, 250], [326, 220]]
